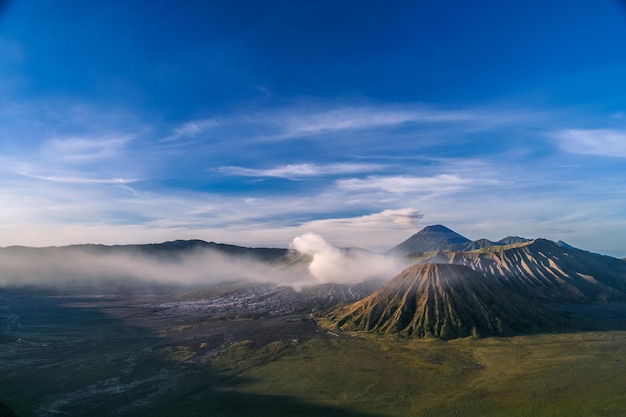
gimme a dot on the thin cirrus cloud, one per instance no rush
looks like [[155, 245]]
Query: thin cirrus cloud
[[192, 128], [302, 120], [295, 171], [81, 180], [78, 149], [600, 142], [359, 118], [404, 184]]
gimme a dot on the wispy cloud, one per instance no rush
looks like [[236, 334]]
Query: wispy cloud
[[81, 180], [381, 230], [85, 149], [601, 142], [295, 171], [403, 217], [67, 181], [192, 128], [305, 119], [366, 117], [405, 184]]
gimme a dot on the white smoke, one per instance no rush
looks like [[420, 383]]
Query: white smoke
[[332, 264]]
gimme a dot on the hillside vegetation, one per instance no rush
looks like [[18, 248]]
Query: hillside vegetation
[[581, 374]]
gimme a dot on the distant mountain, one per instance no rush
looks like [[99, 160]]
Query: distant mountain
[[443, 300], [172, 249], [511, 240], [179, 247], [546, 271], [431, 238], [438, 237]]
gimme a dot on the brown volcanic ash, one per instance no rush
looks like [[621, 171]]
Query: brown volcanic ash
[[443, 300], [546, 271]]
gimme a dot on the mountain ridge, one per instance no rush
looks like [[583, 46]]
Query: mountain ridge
[[439, 237], [546, 270], [446, 301], [170, 249]]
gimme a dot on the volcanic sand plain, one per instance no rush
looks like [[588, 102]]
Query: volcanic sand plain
[[118, 357]]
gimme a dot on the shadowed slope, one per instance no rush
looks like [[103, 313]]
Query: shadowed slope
[[6, 411], [443, 300]]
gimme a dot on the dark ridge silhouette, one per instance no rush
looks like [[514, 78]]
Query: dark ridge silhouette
[[168, 250], [179, 247]]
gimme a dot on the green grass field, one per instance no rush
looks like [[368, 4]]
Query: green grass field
[[579, 374]]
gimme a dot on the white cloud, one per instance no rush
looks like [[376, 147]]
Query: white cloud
[[601, 142], [71, 161], [81, 180], [94, 147], [377, 231], [306, 119], [192, 128], [366, 117], [294, 171], [404, 217], [85, 149], [405, 184]]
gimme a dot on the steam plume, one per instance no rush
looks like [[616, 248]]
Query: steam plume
[[331, 264]]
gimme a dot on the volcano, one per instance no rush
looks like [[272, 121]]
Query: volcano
[[431, 238], [446, 301]]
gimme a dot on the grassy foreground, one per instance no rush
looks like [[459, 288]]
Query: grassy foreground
[[579, 374], [60, 358]]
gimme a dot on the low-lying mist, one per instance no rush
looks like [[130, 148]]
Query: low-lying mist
[[310, 261], [85, 268]]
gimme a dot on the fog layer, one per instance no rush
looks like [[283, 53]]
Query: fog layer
[[311, 261], [84, 267]]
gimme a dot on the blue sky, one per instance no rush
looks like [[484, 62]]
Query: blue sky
[[252, 122]]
